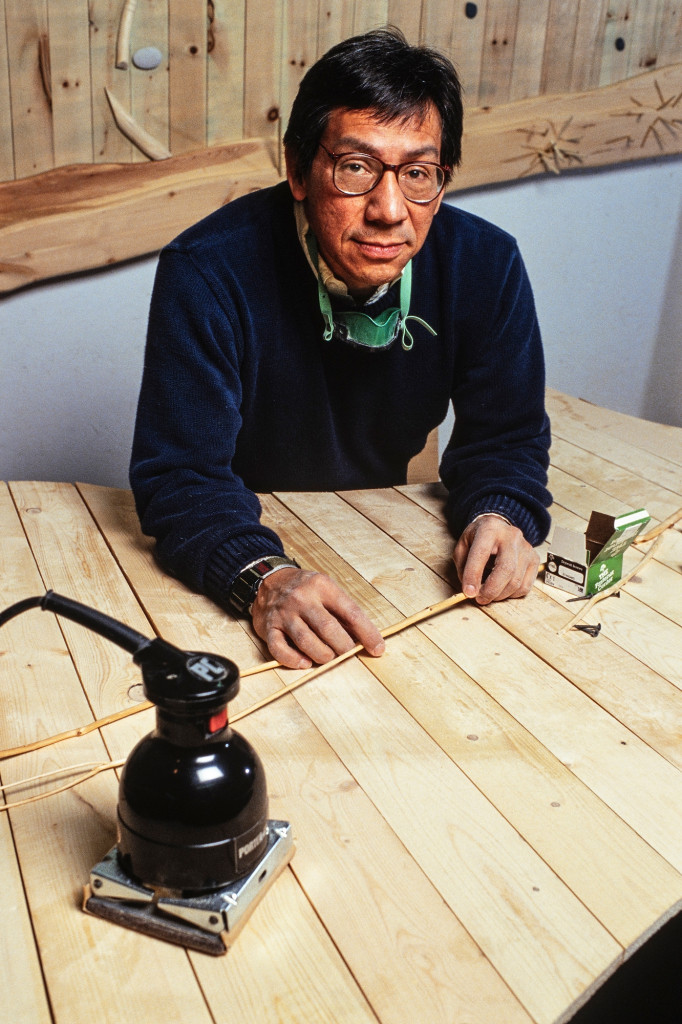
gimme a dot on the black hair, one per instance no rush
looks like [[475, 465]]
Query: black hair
[[378, 71]]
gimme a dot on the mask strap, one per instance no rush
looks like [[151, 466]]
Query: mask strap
[[406, 339]]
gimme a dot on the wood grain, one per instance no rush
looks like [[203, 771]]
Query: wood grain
[[167, 197]]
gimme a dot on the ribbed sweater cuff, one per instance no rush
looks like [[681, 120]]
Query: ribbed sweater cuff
[[228, 560], [514, 511]]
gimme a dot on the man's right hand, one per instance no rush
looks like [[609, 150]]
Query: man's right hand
[[305, 617]]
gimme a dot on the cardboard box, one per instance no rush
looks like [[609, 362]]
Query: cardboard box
[[589, 563]]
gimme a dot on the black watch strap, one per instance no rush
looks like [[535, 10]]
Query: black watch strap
[[245, 587]]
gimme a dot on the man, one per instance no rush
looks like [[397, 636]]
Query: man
[[309, 336]]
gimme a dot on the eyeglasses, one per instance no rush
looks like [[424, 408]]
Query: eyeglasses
[[356, 174]]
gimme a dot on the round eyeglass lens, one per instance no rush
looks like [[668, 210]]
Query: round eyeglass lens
[[356, 174]]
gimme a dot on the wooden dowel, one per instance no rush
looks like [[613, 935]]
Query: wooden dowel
[[661, 528]]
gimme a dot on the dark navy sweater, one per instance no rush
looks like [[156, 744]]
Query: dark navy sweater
[[240, 393]]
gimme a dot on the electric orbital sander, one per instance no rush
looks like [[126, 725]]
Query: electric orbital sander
[[195, 850]]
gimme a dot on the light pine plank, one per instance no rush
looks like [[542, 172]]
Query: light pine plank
[[657, 439], [388, 567], [59, 839], [532, 28], [627, 886], [23, 989], [6, 141], [315, 793], [149, 90], [109, 145], [630, 692], [498, 52], [335, 23], [299, 50], [618, 481], [618, 28], [589, 44], [31, 107], [446, 27], [654, 470], [670, 40], [76, 562], [71, 89], [407, 15], [369, 14], [187, 80], [284, 967], [263, 73], [225, 115], [545, 944], [410, 955], [647, 32], [559, 45]]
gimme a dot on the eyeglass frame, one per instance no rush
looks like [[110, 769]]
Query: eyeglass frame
[[445, 168]]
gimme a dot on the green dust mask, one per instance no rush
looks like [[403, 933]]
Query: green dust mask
[[365, 331]]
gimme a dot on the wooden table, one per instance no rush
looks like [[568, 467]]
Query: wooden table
[[488, 819]]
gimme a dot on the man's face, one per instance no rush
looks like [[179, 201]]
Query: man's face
[[367, 240]]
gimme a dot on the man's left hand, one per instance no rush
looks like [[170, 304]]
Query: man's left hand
[[515, 564]]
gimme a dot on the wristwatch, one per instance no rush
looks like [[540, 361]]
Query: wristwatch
[[245, 587]]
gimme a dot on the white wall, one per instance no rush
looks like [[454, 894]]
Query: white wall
[[604, 253]]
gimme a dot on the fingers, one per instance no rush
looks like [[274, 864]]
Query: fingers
[[305, 617], [514, 563]]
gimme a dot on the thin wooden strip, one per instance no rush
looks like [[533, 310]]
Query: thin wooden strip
[[369, 14], [26, 22], [498, 52], [299, 50], [71, 89], [407, 15], [671, 520], [622, 683], [149, 100], [262, 74], [447, 27], [125, 26], [187, 37], [140, 138], [109, 144], [6, 141], [226, 72], [585, 610], [534, 26], [588, 44], [189, 620]]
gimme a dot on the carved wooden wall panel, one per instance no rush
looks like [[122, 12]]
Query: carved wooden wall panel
[[175, 87]]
